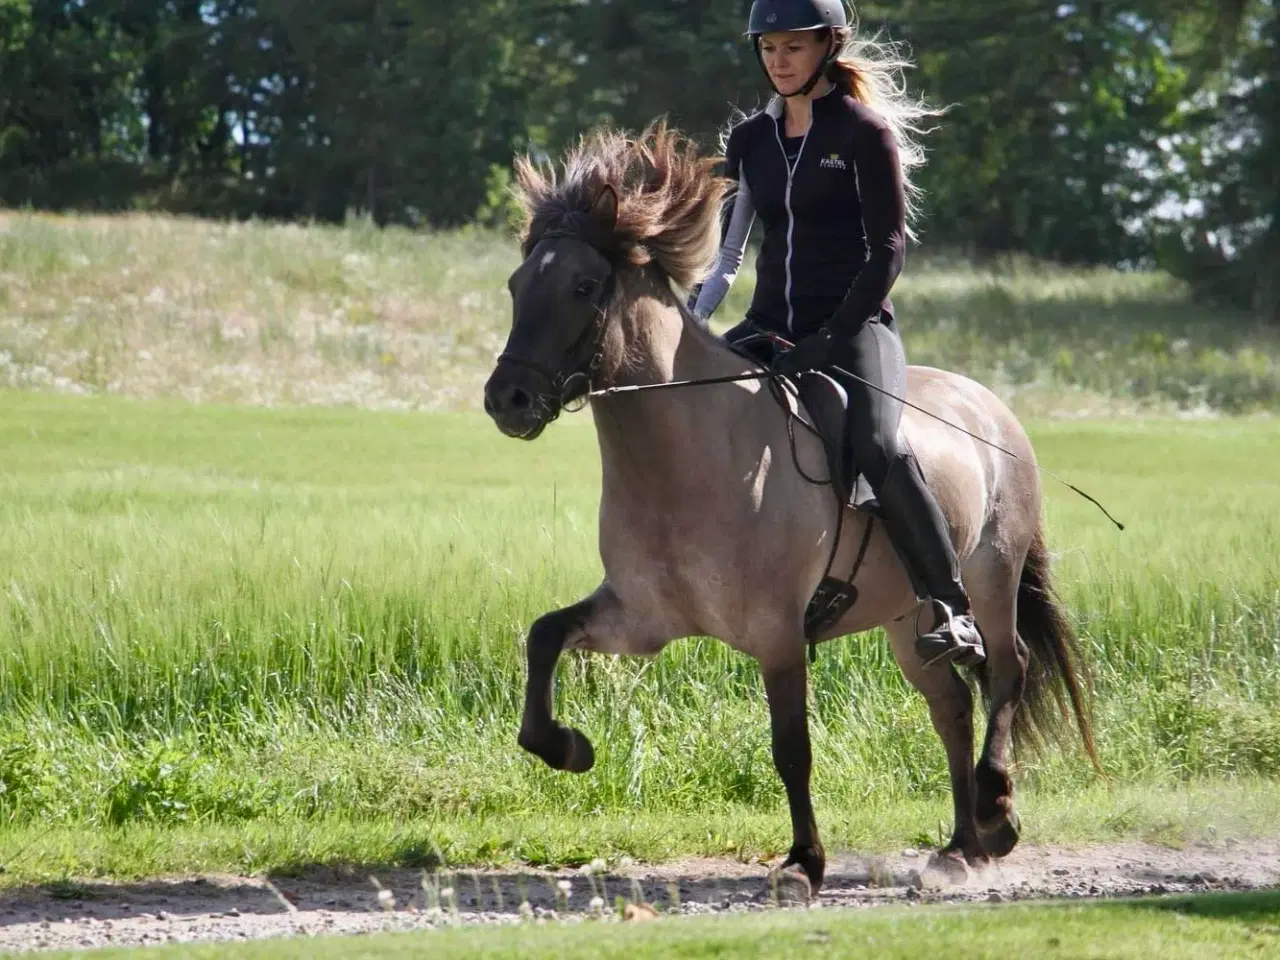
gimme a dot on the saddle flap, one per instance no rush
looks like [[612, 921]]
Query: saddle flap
[[825, 401]]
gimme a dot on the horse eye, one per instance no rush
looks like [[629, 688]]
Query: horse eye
[[584, 289]]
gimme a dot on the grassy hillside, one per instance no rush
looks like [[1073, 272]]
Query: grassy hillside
[[157, 307]]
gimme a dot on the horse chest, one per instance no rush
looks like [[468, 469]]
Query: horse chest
[[685, 565]]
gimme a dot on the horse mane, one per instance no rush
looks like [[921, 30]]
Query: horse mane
[[668, 200]]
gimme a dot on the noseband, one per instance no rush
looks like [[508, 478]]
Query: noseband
[[563, 387]]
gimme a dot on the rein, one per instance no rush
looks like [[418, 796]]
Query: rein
[[769, 375]]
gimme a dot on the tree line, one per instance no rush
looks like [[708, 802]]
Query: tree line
[[1128, 132]]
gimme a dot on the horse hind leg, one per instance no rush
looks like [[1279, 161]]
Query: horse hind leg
[[995, 608], [951, 710]]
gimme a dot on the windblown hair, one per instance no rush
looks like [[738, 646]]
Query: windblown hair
[[668, 199], [871, 71]]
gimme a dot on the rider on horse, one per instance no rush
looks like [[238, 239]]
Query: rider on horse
[[822, 167]]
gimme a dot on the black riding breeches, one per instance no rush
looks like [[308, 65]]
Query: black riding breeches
[[875, 354]]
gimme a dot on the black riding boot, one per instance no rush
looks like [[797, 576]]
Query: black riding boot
[[919, 533]]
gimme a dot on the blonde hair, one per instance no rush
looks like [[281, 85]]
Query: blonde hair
[[870, 70]]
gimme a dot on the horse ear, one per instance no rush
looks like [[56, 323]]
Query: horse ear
[[605, 209]]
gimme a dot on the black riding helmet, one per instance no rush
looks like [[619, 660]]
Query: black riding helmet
[[771, 16]]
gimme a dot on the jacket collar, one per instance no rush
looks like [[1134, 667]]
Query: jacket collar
[[776, 105]]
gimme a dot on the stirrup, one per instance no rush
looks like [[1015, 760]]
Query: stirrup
[[947, 642]]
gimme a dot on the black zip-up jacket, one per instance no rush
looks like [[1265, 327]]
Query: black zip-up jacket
[[835, 230]]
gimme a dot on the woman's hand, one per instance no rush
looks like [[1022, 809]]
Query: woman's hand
[[811, 353]]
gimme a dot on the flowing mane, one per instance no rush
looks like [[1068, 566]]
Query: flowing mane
[[668, 199]]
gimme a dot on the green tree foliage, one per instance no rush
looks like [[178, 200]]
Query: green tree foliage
[[1132, 132]]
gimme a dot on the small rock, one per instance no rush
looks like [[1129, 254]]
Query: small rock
[[161, 915], [913, 893], [1060, 871], [995, 897], [910, 852], [233, 912]]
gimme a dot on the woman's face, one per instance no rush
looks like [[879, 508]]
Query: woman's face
[[790, 58]]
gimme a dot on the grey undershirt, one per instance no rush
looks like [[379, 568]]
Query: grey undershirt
[[732, 248]]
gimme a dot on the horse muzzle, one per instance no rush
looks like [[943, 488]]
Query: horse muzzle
[[517, 408]]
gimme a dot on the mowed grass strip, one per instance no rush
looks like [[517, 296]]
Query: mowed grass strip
[[222, 620], [1217, 925]]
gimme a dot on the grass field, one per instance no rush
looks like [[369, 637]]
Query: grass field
[[161, 307], [1224, 925], [237, 638]]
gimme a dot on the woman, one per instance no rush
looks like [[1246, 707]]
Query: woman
[[823, 167]]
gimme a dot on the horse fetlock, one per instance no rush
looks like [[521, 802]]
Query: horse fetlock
[[559, 747], [995, 793]]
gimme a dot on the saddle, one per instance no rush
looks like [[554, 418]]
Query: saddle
[[826, 402]]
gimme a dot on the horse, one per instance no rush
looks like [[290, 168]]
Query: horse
[[710, 522]]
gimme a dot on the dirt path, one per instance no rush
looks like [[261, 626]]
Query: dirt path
[[328, 901]]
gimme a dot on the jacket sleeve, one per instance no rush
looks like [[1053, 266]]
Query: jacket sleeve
[[881, 194]]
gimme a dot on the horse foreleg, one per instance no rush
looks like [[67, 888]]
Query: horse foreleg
[[951, 710], [561, 747], [599, 623], [785, 687]]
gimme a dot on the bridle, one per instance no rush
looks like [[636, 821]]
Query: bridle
[[572, 390]]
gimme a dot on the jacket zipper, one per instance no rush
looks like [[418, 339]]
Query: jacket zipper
[[791, 220]]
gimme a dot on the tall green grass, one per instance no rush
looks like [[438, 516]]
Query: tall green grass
[[216, 616]]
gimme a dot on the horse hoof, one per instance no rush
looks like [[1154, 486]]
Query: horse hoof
[[946, 868], [563, 749], [790, 886], [579, 756], [1000, 837]]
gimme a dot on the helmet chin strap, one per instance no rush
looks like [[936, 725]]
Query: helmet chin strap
[[827, 59]]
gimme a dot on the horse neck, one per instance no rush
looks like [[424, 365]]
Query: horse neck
[[653, 431], [654, 341]]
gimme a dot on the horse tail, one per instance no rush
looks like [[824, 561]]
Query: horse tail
[[1054, 674]]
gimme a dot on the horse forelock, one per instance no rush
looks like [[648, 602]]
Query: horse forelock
[[668, 200]]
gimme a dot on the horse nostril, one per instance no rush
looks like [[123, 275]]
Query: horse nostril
[[519, 399]]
